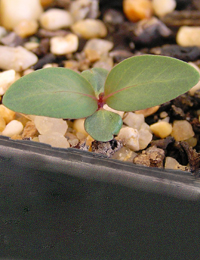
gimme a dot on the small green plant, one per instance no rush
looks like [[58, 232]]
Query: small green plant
[[136, 83]]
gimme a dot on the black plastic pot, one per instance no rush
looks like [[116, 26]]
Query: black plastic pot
[[71, 204]]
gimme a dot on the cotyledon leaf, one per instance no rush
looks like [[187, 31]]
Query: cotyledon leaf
[[52, 92], [103, 124], [97, 78], [145, 81]]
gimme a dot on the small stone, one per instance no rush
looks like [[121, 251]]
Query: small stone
[[151, 157], [2, 124], [124, 154], [30, 131], [148, 111], [188, 36], [163, 7], [133, 120], [6, 79], [171, 163], [12, 11], [7, 114], [129, 138], [78, 126], [89, 28], [92, 55], [71, 64], [14, 127], [31, 45], [54, 139], [136, 10], [26, 28], [161, 129], [47, 124], [16, 58], [106, 148], [145, 137], [105, 63], [54, 19], [101, 46], [64, 45], [182, 130], [81, 9], [72, 139]]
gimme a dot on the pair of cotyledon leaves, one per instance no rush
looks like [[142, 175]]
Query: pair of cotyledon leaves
[[136, 83]]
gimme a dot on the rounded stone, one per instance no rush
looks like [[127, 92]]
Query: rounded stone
[[101, 46], [6, 79], [54, 139], [54, 19], [89, 28], [163, 7], [188, 36], [182, 130], [13, 128], [26, 28], [64, 45], [161, 129], [7, 114], [13, 11], [129, 137]]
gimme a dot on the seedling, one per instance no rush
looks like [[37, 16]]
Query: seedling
[[136, 83]]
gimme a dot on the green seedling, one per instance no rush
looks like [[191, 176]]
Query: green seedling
[[136, 83]]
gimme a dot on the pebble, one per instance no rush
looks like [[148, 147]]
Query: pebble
[[89, 28], [54, 139], [105, 63], [26, 28], [182, 130], [64, 45], [6, 79], [78, 126], [12, 11], [124, 154], [133, 120], [161, 129], [7, 114], [14, 127], [92, 55], [148, 111], [54, 19], [31, 45], [2, 124], [129, 138], [136, 10], [47, 124], [163, 7], [17, 58], [145, 137], [188, 36], [81, 9], [101, 46], [171, 163]]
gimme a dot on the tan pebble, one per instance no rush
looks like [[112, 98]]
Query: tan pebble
[[192, 141], [54, 139], [188, 36], [145, 137], [136, 10], [72, 139], [148, 111], [81, 136], [129, 137], [105, 62], [163, 7], [161, 129], [7, 114], [45, 3], [30, 130], [182, 130], [133, 120], [92, 55], [79, 126], [2, 123], [171, 163], [31, 45], [90, 28], [26, 28], [71, 64], [163, 114], [50, 65], [6, 79], [89, 141], [124, 154]]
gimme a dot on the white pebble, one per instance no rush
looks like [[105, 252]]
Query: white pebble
[[54, 139], [145, 137], [64, 45], [163, 7], [188, 36], [90, 28], [99, 45], [81, 9], [54, 19], [129, 137], [17, 58], [79, 127], [134, 120], [13, 128], [6, 79], [49, 124], [13, 11]]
